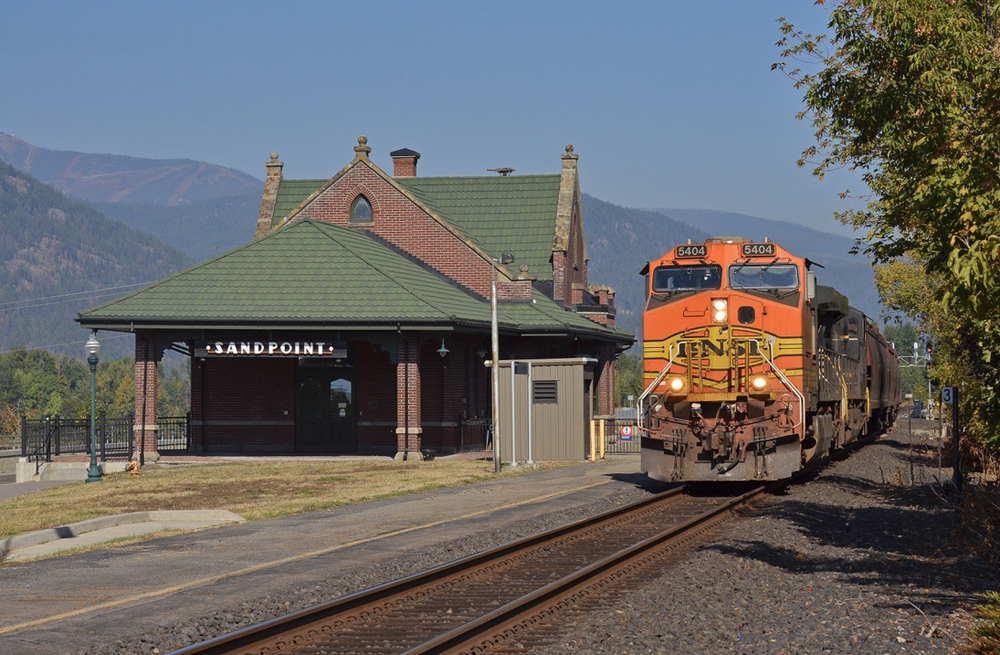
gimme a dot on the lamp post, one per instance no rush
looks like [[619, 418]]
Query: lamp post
[[93, 350], [505, 258]]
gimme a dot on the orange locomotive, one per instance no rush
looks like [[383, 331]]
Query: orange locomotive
[[752, 370]]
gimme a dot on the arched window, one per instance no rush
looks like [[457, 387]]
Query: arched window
[[361, 210]]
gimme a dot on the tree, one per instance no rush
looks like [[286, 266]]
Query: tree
[[908, 93], [628, 378]]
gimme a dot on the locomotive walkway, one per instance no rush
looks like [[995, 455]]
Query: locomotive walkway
[[81, 599]]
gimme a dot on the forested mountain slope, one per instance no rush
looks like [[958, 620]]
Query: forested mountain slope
[[58, 256]]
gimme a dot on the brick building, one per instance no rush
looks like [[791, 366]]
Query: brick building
[[358, 320]]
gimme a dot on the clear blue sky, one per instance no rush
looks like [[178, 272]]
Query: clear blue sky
[[669, 104]]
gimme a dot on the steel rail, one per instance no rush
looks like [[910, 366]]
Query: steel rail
[[473, 632], [273, 629]]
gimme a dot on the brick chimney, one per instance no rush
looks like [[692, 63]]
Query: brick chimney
[[404, 162]]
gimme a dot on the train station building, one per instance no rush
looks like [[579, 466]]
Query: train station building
[[358, 320]]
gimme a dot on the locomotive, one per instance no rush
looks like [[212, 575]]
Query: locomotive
[[752, 370]]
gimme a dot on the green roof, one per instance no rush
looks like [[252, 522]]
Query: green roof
[[291, 193], [313, 273], [515, 214]]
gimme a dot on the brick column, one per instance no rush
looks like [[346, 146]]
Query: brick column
[[606, 383], [408, 430], [145, 427]]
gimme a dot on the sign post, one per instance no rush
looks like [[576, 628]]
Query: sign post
[[949, 396]]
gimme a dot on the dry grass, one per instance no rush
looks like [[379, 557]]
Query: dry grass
[[979, 531], [253, 490], [985, 639]]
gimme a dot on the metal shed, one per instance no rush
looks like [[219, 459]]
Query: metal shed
[[546, 409]]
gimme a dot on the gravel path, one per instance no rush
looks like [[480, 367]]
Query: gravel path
[[856, 561]]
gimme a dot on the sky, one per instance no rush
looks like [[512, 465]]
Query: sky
[[668, 104]]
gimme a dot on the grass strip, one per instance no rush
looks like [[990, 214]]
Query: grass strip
[[254, 490]]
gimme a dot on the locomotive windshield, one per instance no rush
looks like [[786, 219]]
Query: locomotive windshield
[[687, 278], [764, 276]]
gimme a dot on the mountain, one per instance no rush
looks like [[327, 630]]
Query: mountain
[[59, 256], [621, 240], [200, 229], [198, 208], [116, 178]]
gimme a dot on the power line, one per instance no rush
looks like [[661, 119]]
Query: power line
[[68, 343], [77, 293]]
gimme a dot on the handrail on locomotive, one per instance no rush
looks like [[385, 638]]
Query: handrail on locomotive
[[690, 343]]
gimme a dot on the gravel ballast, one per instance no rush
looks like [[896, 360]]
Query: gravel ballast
[[855, 561]]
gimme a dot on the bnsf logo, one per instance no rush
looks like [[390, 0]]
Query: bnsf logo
[[718, 347]]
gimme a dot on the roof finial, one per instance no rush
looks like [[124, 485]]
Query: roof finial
[[569, 153], [274, 155], [362, 148]]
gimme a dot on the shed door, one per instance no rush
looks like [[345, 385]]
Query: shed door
[[325, 419]]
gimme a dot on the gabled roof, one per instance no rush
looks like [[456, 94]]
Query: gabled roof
[[312, 274], [515, 214]]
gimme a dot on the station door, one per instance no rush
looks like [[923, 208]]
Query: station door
[[325, 403]]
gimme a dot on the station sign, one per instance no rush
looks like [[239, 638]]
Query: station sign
[[948, 395], [626, 432], [692, 251], [758, 249], [248, 348]]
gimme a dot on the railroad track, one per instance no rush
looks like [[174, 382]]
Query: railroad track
[[506, 600]]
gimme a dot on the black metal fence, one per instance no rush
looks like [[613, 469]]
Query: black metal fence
[[173, 434], [44, 438], [620, 436], [474, 434]]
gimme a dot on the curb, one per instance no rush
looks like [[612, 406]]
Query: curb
[[81, 527]]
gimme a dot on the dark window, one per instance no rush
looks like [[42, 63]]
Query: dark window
[[687, 278], [545, 391], [746, 315], [764, 276], [361, 210]]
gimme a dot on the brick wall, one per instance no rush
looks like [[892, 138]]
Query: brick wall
[[375, 398], [399, 221], [240, 405]]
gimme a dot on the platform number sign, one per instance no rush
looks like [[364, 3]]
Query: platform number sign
[[948, 395], [626, 432]]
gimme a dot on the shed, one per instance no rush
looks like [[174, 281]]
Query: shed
[[546, 409]]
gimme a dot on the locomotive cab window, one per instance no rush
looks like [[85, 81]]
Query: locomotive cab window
[[764, 276], [687, 278]]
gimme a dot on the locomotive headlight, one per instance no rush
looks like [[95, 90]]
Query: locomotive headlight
[[759, 383], [720, 310], [677, 385]]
